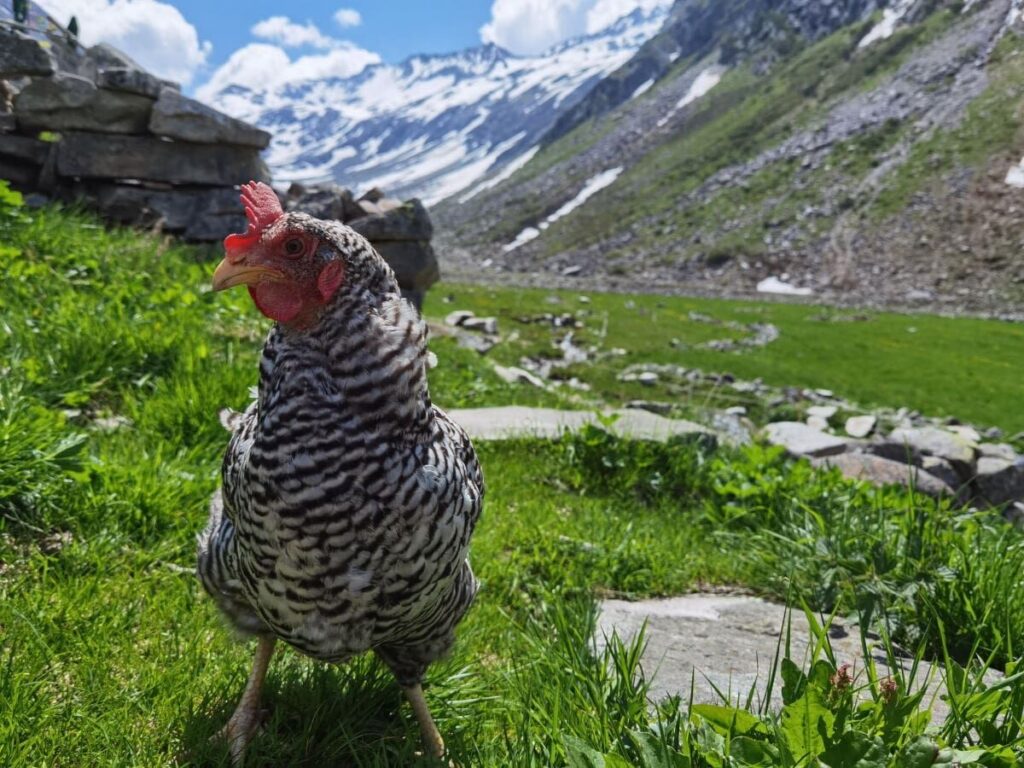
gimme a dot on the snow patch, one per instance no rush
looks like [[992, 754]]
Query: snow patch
[[505, 173], [885, 28], [704, 82], [775, 285], [1015, 176], [594, 185], [644, 88]]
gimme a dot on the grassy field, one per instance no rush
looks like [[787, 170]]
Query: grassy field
[[115, 360], [967, 368]]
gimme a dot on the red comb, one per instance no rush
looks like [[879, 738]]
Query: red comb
[[262, 208]]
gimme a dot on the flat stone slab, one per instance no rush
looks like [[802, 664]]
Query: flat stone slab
[[880, 471], [179, 117], [67, 102], [519, 421], [932, 441], [90, 155], [802, 440], [730, 642]]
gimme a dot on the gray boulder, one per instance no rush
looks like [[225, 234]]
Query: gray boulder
[[932, 441], [130, 81], [941, 469], [861, 426], [71, 103], [21, 56], [881, 472], [90, 155], [179, 117], [200, 214], [1002, 451], [409, 221], [321, 201], [801, 440], [414, 262], [25, 149], [999, 481]]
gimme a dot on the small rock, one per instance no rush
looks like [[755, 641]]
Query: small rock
[[941, 469], [733, 429], [817, 422], [480, 344], [737, 410], [998, 451], [575, 269], [112, 423], [801, 440], [661, 409], [932, 441], [514, 375], [458, 317], [825, 412], [488, 325], [826, 393], [860, 426], [966, 432], [648, 378], [999, 481], [584, 299], [880, 471], [993, 433]]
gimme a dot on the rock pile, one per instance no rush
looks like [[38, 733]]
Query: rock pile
[[399, 231], [938, 459], [92, 124]]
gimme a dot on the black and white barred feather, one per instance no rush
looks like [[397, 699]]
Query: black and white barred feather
[[348, 499]]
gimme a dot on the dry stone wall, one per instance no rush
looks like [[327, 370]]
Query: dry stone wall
[[90, 124]]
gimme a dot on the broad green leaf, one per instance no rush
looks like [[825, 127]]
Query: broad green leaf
[[805, 723], [729, 720], [856, 750], [921, 753], [752, 753], [582, 755], [793, 682]]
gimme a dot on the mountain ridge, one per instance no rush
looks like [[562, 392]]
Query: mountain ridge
[[821, 163], [433, 124]]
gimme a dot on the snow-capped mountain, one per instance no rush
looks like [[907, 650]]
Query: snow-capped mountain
[[432, 125]]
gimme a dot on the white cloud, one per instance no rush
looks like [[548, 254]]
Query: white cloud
[[533, 26], [348, 17], [282, 30], [261, 66], [153, 33]]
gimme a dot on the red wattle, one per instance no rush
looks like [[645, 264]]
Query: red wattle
[[278, 301]]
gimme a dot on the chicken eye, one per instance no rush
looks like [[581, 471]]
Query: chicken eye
[[293, 247]]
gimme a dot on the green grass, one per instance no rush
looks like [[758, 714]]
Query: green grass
[[111, 654]]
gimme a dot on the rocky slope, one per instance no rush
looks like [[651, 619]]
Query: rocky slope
[[432, 125], [849, 150]]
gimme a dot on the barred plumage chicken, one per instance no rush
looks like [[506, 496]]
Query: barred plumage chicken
[[347, 499]]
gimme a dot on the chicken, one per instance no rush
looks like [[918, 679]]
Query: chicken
[[347, 499]]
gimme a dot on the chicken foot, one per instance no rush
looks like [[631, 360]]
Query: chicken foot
[[245, 722], [431, 736]]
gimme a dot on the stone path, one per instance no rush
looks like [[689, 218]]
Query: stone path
[[730, 642], [518, 421]]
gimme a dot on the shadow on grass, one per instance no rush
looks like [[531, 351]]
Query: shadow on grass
[[353, 714]]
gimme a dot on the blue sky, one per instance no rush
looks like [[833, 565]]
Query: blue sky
[[209, 44], [394, 29]]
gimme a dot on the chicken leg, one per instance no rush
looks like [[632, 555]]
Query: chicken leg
[[431, 736], [242, 727]]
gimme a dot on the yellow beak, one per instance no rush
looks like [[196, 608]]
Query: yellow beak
[[228, 274]]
